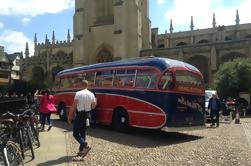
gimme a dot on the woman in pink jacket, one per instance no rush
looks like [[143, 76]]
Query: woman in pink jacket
[[47, 106]]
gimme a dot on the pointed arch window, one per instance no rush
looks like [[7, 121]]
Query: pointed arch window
[[104, 56]]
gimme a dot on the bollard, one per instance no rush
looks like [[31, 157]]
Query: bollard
[[237, 117]]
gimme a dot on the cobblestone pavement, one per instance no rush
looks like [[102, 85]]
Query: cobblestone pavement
[[227, 145]]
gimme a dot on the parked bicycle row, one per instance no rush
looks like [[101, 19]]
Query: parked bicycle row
[[19, 133]]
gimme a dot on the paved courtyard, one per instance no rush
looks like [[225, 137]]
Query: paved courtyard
[[227, 145], [230, 144]]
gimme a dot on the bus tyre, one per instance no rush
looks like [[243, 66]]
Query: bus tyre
[[62, 111], [120, 120]]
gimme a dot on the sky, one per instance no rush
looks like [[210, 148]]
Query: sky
[[21, 19]]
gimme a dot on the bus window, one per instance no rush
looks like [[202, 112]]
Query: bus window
[[57, 83], [118, 78], [184, 77], [145, 79], [75, 79], [124, 78], [166, 81], [66, 82], [90, 78], [104, 78]]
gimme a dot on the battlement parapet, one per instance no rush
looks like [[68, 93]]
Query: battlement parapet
[[63, 43], [55, 58]]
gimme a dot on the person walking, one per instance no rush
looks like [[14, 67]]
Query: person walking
[[84, 102], [214, 105], [47, 106]]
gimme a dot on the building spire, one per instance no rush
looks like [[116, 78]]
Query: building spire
[[68, 36], [191, 26], [53, 37], [35, 39], [171, 26], [27, 53], [214, 21], [237, 19], [46, 39]]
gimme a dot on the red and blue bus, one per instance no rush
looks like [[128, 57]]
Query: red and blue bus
[[147, 92]]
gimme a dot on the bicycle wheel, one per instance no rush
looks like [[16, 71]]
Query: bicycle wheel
[[21, 142], [12, 156], [30, 143], [34, 135]]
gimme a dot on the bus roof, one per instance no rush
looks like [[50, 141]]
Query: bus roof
[[158, 62]]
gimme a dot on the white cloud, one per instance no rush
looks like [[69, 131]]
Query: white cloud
[[33, 7], [14, 41], [26, 20], [202, 12], [161, 2], [1, 25]]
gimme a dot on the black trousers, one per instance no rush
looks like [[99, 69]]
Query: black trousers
[[79, 129], [213, 114]]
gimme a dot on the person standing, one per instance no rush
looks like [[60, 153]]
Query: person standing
[[214, 105], [47, 106], [84, 102]]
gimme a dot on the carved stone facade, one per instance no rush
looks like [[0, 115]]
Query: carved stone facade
[[49, 58], [108, 30], [206, 49], [104, 30]]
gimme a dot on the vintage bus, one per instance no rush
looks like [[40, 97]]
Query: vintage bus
[[147, 92]]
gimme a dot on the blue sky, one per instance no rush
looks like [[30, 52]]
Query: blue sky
[[20, 19]]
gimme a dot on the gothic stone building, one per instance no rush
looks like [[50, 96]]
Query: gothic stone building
[[104, 30], [206, 49], [110, 30]]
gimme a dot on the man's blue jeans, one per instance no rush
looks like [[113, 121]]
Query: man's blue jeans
[[79, 129]]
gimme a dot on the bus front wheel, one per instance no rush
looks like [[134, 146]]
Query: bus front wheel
[[120, 119], [62, 111]]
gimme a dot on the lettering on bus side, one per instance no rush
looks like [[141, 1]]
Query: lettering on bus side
[[191, 104]]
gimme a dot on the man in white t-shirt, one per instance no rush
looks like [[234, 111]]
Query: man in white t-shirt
[[84, 102]]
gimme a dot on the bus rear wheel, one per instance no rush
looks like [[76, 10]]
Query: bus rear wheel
[[120, 120], [62, 111]]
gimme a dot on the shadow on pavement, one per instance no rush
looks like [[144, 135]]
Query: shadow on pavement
[[140, 138], [135, 137], [61, 124], [58, 161]]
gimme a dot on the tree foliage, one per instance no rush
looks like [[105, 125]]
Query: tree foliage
[[233, 77]]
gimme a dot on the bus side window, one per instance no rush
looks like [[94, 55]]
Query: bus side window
[[90, 78], [146, 78], [57, 83], [104, 78], [153, 81], [166, 81], [119, 78], [66, 82], [128, 81]]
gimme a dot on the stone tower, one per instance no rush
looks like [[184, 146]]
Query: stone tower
[[107, 30]]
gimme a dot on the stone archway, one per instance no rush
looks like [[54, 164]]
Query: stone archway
[[104, 55], [38, 74], [231, 56], [201, 63], [55, 71], [181, 44]]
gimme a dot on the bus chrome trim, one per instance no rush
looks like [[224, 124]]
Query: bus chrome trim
[[178, 129], [142, 112]]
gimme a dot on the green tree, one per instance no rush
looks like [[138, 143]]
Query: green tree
[[233, 77]]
